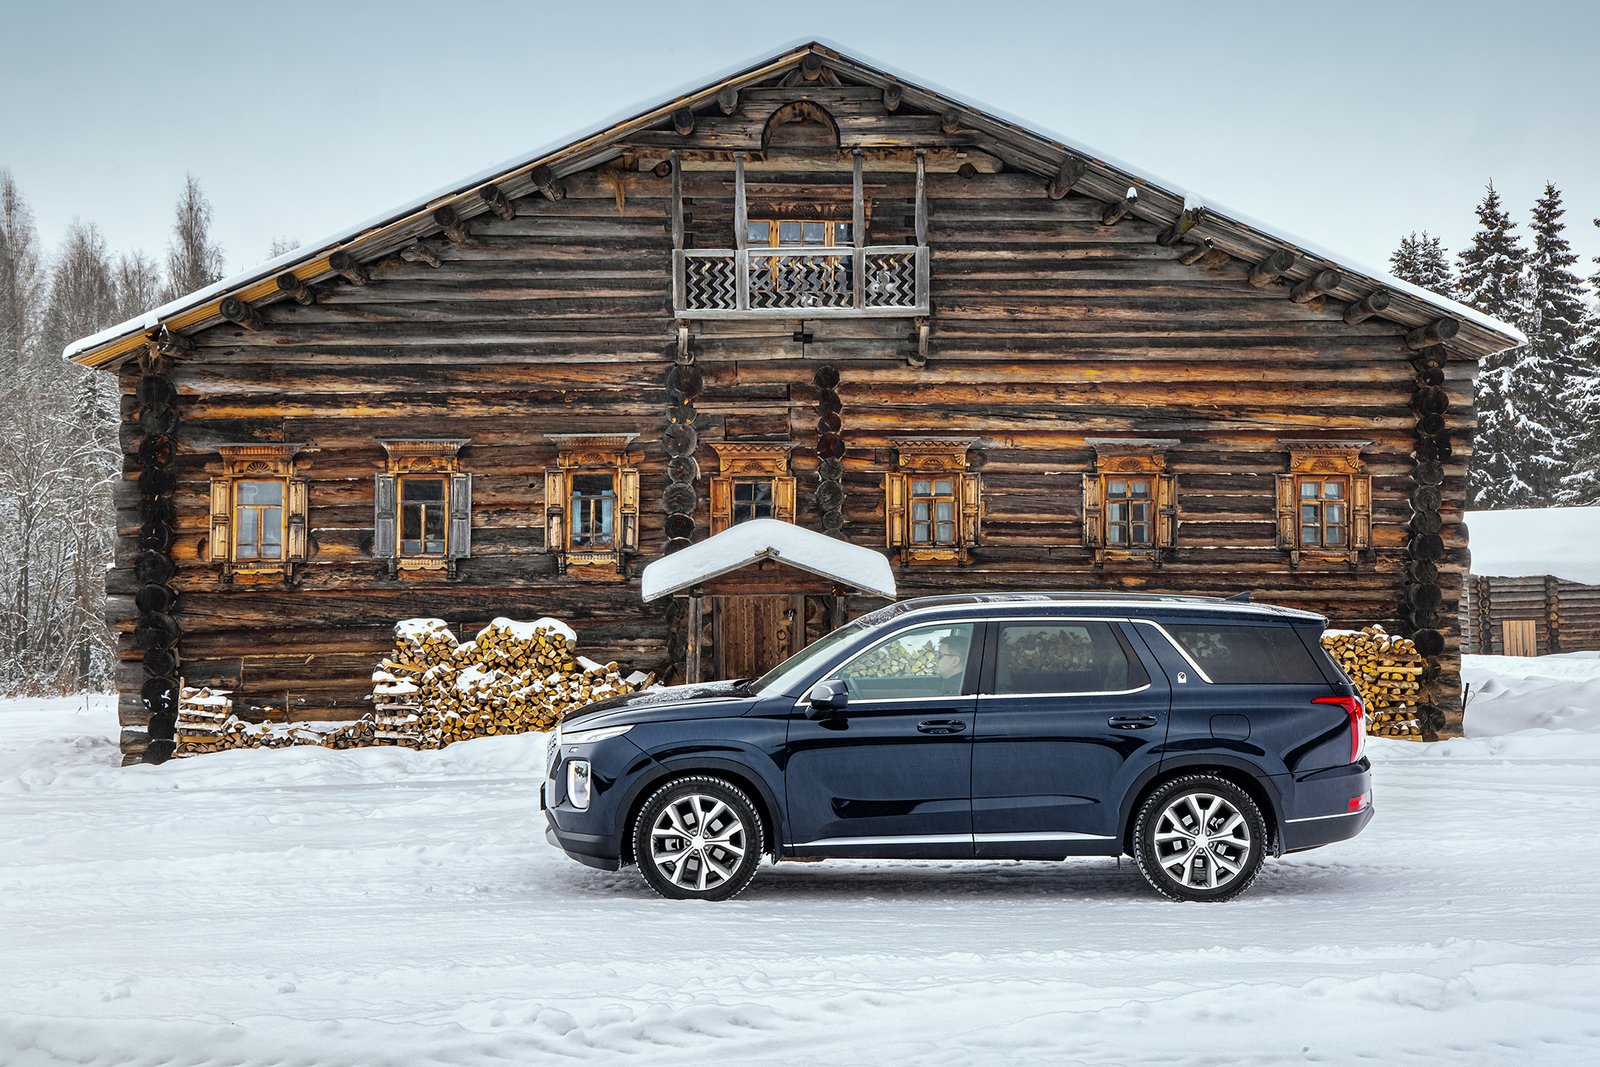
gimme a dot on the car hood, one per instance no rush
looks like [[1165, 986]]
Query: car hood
[[662, 704]]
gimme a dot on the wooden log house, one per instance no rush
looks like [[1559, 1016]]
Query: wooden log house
[[811, 290]]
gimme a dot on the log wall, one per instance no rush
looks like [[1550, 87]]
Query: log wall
[[1048, 328], [1566, 615]]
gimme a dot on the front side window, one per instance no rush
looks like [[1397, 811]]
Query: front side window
[[933, 511], [1324, 512], [929, 661], [424, 506], [1130, 509], [258, 520], [752, 499], [593, 508], [1078, 657]]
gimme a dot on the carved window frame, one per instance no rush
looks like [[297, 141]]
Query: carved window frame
[[592, 454], [932, 458], [1118, 459], [740, 461], [258, 462], [422, 457], [1325, 461]]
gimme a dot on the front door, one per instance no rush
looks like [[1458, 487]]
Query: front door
[[1068, 716], [753, 633], [890, 775]]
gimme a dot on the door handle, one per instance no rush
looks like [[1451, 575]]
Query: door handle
[[1131, 722], [941, 726]]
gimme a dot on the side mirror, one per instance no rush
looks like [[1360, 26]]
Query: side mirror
[[827, 699]]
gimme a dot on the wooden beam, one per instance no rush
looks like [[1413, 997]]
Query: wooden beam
[[173, 344], [1215, 259], [497, 202], [683, 121], [921, 210], [891, 96], [728, 99], [675, 168], [447, 218], [296, 288], [240, 312], [967, 170], [345, 265], [1371, 304], [421, 253], [1437, 332], [811, 67], [950, 122], [1116, 212], [1272, 268], [1071, 173], [1193, 252], [544, 180], [1319, 284], [1187, 220], [662, 169]]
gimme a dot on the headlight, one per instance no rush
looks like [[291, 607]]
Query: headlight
[[578, 783], [585, 737]]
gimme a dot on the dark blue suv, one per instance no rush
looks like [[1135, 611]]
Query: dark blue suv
[[1195, 734]]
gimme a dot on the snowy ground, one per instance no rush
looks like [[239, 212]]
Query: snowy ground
[[387, 907]]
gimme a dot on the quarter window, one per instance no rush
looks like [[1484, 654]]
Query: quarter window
[[1079, 657], [1248, 655]]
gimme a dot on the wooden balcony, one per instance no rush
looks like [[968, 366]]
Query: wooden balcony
[[793, 283]]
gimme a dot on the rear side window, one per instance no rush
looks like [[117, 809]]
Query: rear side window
[[1248, 655], [1079, 657]]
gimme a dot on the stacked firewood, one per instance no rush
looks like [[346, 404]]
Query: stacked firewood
[[206, 723], [1387, 672], [513, 677]]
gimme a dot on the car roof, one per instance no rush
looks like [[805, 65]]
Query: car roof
[[1134, 605]]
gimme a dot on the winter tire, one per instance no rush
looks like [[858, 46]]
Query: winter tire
[[698, 838], [1199, 838]]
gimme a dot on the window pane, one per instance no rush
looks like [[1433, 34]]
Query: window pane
[[1309, 512], [927, 661], [1117, 487], [758, 233], [1308, 489], [433, 529], [921, 533], [841, 233], [943, 488], [1333, 514], [1336, 535], [1139, 488], [1063, 658], [919, 511], [920, 488], [1115, 535], [1333, 490], [261, 492], [789, 233], [422, 489], [246, 544], [944, 511], [946, 533], [1139, 534], [271, 533], [1311, 535], [1248, 655], [813, 233]]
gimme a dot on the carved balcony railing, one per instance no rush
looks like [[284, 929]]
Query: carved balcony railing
[[795, 283]]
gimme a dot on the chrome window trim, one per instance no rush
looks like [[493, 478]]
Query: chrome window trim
[[836, 668], [1041, 836], [1204, 677], [1006, 620]]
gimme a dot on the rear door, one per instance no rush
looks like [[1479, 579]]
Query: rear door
[[1069, 713]]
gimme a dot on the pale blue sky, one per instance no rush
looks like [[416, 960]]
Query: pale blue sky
[[1347, 124]]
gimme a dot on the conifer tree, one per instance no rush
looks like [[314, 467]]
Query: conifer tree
[[1422, 260], [1556, 315], [1581, 484], [1492, 279]]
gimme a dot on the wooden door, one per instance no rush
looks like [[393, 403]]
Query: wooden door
[[1519, 637], [752, 633]]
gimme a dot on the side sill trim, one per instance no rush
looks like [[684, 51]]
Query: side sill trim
[[949, 839], [1339, 815]]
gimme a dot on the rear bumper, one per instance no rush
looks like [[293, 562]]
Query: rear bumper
[[1324, 830], [1320, 809]]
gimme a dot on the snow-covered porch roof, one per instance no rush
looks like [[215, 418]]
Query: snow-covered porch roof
[[763, 539], [1533, 542]]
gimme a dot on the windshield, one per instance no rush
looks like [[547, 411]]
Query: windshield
[[802, 664]]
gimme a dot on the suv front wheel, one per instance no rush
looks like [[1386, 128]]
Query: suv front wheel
[[698, 839], [1199, 838]]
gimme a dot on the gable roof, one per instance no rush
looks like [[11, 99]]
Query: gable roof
[[1025, 145], [758, 539]]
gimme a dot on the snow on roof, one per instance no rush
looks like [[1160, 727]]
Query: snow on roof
[[749, 542], [1532, 542], [151, 319]]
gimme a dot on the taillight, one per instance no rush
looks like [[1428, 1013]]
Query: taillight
[[1358, 722]]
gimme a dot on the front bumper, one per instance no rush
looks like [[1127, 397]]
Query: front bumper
[[591, 850]]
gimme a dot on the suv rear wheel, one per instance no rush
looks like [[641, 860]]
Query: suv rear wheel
[[698, 839], [1199, 838]]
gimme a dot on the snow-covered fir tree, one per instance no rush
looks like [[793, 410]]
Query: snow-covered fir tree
[[1493, 280], [1422, 260], [1581, 484], [1557, 315]]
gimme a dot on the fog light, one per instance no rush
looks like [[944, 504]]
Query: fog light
[[578, 783]]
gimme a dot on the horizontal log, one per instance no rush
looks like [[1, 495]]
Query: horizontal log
[[1437, 332], [240, 312], [1318, 284], [490, 194], [451, 223], [289, 283], [349, 268], [1272, 268], [1374, 303]]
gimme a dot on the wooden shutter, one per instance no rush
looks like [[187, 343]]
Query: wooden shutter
[[460, 539], [1288, 516], [1094, 507], [783, 498], [298, 518], [221, 543], [383, 517], [971, 508], [894, 494], [555, 509], [628, 509], [1166, 511], [1360, 511], [721, 504]]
